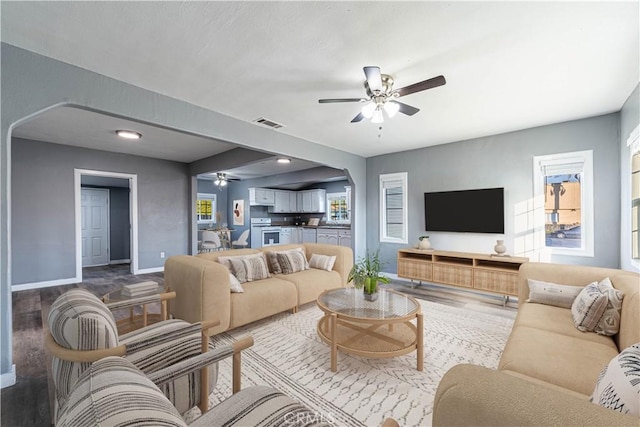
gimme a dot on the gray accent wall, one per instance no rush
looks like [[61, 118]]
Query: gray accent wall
[[43, 207], [629, 119], [504, 160], [33, 83]]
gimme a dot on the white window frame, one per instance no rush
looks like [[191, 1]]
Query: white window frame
[[385, 180], [214, 207], [586, 198], [633, 142]]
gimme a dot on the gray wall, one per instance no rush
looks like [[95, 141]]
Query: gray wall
[[119, 234], [629, 119], [43, 226], [32, 83], [504, 160]]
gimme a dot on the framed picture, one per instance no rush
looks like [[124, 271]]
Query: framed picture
[[238, 212]]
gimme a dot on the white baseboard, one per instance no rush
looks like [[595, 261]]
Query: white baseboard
[[9, 378], [45, 284], [149, 270], [120, 261]]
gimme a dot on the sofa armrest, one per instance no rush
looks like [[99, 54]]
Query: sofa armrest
[[474, 395], [202, 290], [343, 254]]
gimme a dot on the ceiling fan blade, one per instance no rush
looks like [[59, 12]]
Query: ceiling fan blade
[[407, 109], [420, 86], [357, 118], [327, 101], [374, 79]]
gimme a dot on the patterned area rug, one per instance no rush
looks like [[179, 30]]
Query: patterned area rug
[[289, 356]]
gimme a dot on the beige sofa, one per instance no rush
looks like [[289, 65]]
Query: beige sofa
[[548, 369], [203, 289]]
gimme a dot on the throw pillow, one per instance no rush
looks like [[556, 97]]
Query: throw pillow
[[588, 307], [610, 323], [292, 261], [552, 293], [618, 386], [224, 260], [236, 286], [248, 269], [322, 262], [274, 265]]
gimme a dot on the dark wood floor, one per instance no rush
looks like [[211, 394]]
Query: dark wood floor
[[27, 403]]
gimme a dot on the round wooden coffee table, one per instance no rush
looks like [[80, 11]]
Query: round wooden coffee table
[[380, 328]]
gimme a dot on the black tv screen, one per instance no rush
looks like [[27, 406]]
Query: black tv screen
[[471, 211]]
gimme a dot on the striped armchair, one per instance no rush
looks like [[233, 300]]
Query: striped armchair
[[112, 391], [82, 329]]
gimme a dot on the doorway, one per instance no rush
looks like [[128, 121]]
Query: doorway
[[106, 219]]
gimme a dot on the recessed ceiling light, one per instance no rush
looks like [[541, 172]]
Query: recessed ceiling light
[[128, 134], [284, 160]]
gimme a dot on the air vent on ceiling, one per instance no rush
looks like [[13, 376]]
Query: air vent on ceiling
[[269, 123]]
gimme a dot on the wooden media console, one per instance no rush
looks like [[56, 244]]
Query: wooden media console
[[482, 272]]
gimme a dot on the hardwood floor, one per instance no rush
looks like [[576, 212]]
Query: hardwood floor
[[27, 403]]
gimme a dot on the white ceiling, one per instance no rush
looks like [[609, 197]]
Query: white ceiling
[[508, 65]]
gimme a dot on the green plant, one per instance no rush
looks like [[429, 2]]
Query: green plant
[[366, 272], [423, 237]]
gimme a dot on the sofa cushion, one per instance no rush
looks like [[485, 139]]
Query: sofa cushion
[[609, 324], [322, 262], [312, 282], [292, 262], [552, 293], [565, 361], [588, 307], [554, 319], [235, 284], [618, 386], [261, 299]]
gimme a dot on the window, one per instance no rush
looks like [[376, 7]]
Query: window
[[565, 184], [339, 207], [633, 142], [393, 208], [205, 208]]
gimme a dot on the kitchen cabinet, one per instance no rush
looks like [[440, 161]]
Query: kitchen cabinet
[[262, 197], [329, 237], [312, 201], [286, 235], [344, 238], [309, 235], [285, 202]]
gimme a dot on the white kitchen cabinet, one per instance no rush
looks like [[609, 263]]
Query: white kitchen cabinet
[[344, 238], [312, 201], [286, 235], [262, 197], [327, 236], [285, 202], [309, 235]]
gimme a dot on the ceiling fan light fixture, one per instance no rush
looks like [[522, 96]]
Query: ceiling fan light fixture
[[391, 108], [128, 134], [377, 116], [283, 160], [368, 109]]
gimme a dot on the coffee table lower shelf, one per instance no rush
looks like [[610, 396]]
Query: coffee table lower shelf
[[382, 338]]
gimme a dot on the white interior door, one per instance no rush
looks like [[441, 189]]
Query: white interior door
[[94, 205]]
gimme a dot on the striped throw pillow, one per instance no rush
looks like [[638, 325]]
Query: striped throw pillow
[[248, 269], [588, 307], [274, 265], [292, 261], [322, 262]]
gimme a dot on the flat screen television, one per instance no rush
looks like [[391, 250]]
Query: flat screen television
[[471, 211]]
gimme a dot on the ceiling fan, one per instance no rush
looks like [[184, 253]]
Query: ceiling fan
[[382, 96], [222, 179]]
